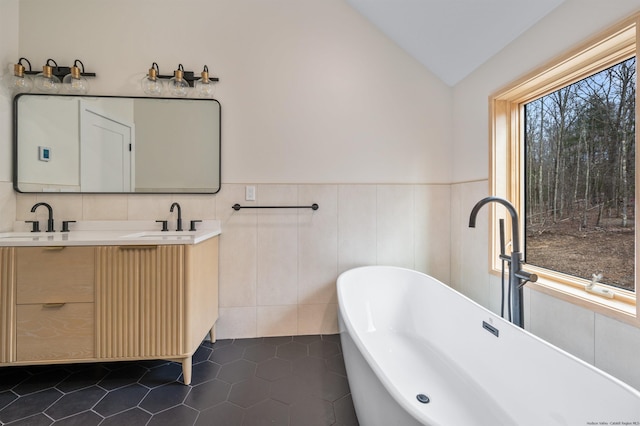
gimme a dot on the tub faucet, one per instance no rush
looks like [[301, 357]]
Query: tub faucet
[[50, 220], [517, 276], [179, 221]]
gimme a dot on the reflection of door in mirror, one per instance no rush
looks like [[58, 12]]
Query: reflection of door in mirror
[[106, 151]]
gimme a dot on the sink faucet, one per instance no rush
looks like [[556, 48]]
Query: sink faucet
[[50, 221], [179, 224], [517, 276]]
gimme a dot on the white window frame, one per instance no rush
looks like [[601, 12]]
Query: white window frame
[[507, 159]]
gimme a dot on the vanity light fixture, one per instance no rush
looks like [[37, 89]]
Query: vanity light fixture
[[75, 82], [19, 82], [49, 80], [178, 85], [150, 83], [46, 81], [179, 82], [204, 86]]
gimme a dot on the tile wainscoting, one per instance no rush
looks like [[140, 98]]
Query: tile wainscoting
[[278, 268]]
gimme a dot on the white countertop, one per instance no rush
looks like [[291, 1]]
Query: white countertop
[[97, 233]]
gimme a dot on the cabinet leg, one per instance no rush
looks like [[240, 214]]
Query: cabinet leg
[[212, 334], [186, 370]]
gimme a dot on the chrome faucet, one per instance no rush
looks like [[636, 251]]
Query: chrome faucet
[[517, 276], [50, 220], [179, 221]]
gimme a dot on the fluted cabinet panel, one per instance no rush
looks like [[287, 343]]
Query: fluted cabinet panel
[[7, 303], [162, 297], [117, 302], [140, 301]]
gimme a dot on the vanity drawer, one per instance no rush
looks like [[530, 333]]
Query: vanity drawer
[[55, 274], [55, 332]]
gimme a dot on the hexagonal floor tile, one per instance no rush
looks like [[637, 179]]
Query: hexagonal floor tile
[[323, 349], [312, 369], [160, 398], [249, 392], [121, 400], [226, 354], [259, 353], [29, 405], [225, 414], [291, 350], [134, 416], [237, 371], [207, 395], [273, 369], [312, 412], [267, 413], [290, 380], [331, 388], [290, 389], [75, 402]]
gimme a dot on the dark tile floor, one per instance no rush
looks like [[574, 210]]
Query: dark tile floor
[[285, 381]]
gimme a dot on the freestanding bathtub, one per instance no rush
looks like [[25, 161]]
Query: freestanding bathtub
[[406, 334]]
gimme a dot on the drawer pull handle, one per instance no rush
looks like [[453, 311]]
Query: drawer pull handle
[[54, 248], [53, 305], [138, 247]]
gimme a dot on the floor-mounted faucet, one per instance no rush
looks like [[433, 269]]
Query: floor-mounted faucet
[[517, 276], [50, 220]]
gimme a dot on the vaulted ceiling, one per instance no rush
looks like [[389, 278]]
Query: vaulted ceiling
[[453, 37]]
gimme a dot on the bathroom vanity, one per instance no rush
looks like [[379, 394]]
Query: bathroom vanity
[[98, 294]]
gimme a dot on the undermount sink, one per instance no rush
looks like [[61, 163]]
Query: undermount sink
[[24, 235], [161, 234]]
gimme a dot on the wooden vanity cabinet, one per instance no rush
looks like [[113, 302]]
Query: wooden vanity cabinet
[[156, 301], [7, 303], [55, 318], [93, 303]]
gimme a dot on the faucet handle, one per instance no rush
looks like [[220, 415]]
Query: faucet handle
[[65, 225], [35, 225], [165, 224], [193, 225]]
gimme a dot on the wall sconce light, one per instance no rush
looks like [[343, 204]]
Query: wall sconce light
[[49, 80], [75, 82], [46, 81], [150, 83], [18, 82], [179, 82], [204, 85]]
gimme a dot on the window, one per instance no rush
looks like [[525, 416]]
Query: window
[[563, 152]]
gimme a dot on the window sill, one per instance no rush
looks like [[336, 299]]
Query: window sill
[[621, 307]]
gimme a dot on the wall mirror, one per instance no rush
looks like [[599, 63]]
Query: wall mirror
[[111, 144]]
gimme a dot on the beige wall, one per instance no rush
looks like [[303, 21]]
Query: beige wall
[[317, 106], [311, 92], [8, 51], [609, 344]]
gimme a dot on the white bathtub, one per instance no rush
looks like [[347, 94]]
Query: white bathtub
[[405, 333]]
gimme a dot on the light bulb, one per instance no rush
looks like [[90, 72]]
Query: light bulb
[[18, 82], [177, 84], [150, 83], [204, 86], [46, 81], [75, 83]]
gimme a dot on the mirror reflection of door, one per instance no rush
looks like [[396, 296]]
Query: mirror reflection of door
[[106, 153]]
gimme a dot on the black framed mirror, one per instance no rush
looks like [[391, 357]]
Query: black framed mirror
[[116, 144]]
